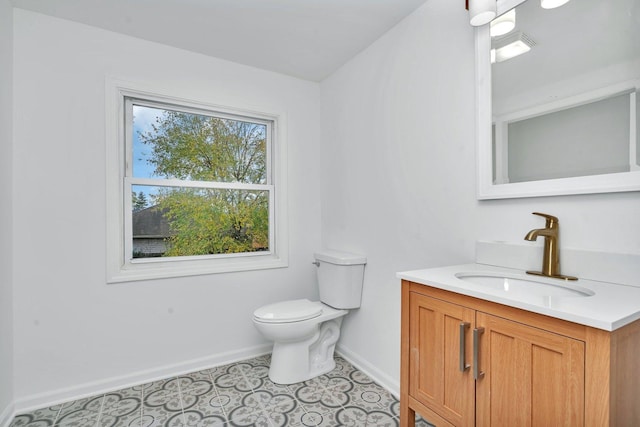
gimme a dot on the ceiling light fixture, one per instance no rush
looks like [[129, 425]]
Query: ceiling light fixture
[[552, 4], [482, 11], [503, 24], [511, 46]]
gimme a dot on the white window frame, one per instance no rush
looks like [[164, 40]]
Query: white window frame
[[121, 267]]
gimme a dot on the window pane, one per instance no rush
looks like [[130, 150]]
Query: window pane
[[170, 221], [177, 145]]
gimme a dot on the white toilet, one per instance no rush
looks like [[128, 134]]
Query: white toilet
[[305, 332]]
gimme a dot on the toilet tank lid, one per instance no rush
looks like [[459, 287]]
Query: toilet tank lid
[[288, 311], [340, 258]]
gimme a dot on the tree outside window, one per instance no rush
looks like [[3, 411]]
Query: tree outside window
[[200, 183]]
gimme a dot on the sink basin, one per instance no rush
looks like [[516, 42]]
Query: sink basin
[[525, 288]]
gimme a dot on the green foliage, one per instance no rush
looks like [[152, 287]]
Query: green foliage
[[139, 201], [200, 148], [215, 221]]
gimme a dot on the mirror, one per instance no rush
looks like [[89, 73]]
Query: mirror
[[564, 117]]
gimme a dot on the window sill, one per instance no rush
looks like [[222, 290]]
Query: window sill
[[170, 269]]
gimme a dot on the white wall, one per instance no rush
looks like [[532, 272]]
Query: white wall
[[398, 142], [396, 179], [6, 209], [72, 331], [398, 155]]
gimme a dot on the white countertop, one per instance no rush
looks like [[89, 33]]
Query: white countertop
[[610, 307]]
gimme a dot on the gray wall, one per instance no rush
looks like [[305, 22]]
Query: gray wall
[[6, 209], [590, 139]]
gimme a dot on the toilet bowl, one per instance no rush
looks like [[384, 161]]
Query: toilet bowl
[[304, 332], [303, 343]]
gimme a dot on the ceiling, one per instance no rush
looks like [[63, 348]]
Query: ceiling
[[572, 40], [308, 39]]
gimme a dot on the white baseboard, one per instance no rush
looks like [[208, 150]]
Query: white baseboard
[[7, 415], [54, 397], [383, 379]]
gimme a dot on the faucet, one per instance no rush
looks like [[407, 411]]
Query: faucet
[[551, 257]]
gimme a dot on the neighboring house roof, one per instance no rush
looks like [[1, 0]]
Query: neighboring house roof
[[150, 223]]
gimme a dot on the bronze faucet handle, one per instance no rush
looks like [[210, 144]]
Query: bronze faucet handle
[[551, 220]]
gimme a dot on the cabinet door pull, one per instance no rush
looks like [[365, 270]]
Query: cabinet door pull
[[463, 329], [477, 374]]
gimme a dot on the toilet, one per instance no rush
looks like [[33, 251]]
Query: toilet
[[304, 332]]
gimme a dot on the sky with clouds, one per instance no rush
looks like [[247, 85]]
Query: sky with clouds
[[143, 119]]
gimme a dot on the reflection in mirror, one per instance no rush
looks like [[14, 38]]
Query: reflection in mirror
[[565, 111], [588, 139]]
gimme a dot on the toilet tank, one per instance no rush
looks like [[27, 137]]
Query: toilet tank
[[340, 278]]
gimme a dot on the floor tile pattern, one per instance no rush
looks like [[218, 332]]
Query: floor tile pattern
[[235, 395]]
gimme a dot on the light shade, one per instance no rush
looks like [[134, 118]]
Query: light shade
[[482, 11], [550, 4], [511, 46], [503, 24]]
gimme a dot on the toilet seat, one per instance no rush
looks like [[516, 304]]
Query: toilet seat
[[288, 311]]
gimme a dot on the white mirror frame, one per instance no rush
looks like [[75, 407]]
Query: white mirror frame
[[486, 189]]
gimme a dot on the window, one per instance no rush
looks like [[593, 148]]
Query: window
[[197, 188]]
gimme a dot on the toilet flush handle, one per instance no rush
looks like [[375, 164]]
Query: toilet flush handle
[[316, 263]]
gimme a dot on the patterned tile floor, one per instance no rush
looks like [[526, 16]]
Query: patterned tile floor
[[239, 394]]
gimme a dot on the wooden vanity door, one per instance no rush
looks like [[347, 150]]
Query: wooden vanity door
[[434, 366], [531, 377]]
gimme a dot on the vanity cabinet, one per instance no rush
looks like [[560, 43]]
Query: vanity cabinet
[[471, 362]]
